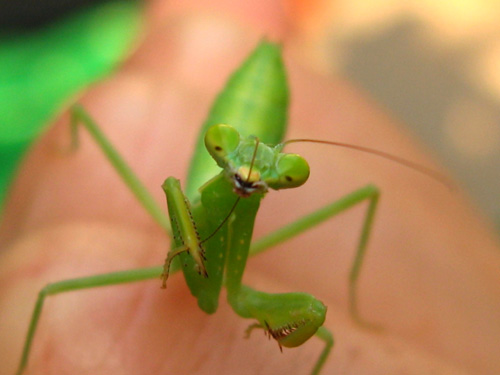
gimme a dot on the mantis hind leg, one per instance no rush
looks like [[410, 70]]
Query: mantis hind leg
[[77, 284], [80, 117], [373, 197]]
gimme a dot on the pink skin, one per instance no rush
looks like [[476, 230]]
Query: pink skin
[[431, 278]]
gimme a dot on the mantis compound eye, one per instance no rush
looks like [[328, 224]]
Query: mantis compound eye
[[292, 170], [221, 140]]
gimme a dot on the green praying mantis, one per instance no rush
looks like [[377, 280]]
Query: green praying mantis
[[211, 223]]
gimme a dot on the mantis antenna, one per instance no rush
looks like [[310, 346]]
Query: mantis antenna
[[436, 176]]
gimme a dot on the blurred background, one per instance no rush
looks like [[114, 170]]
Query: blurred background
[[434, 65]]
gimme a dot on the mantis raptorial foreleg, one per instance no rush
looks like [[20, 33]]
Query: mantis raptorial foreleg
[[185, 234]]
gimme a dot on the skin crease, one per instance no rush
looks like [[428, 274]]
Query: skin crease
[[430, 280]]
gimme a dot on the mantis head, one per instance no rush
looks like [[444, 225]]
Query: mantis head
[[254, 167]]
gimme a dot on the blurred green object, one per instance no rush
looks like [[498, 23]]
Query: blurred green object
[[41, 69]]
